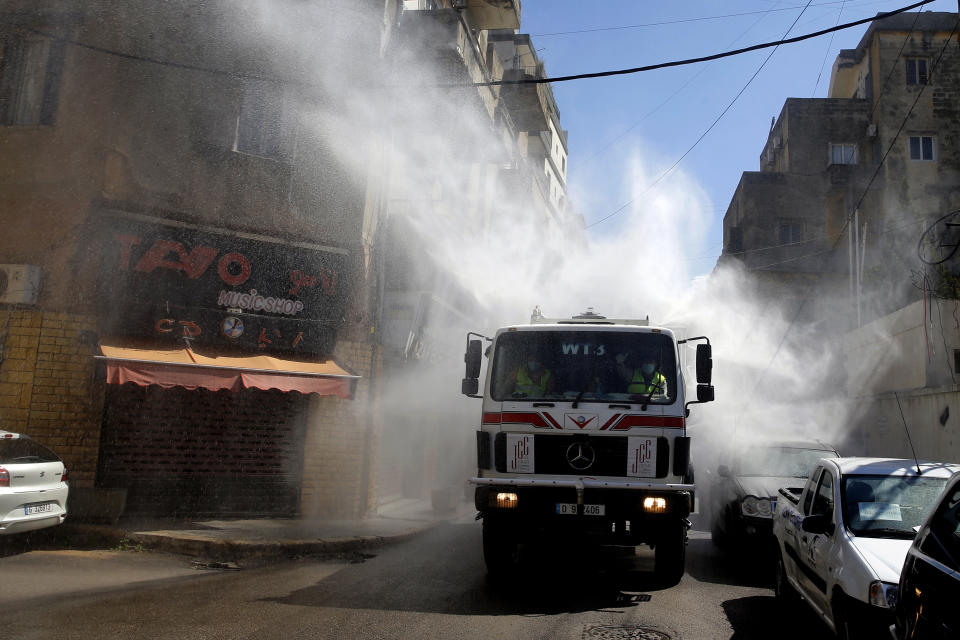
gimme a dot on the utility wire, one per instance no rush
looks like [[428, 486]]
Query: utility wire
[[686, 20], [677, 63], [704, 134], [826, 53], [893, 67], [903, 124], [702, 70]]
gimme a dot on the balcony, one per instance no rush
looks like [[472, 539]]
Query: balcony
[[492, 14]]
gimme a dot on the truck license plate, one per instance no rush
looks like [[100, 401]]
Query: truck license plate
[[570, 508], [40, 507]]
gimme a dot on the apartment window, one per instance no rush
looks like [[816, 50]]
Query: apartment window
[[790, 231], [843, 153], [917, 71], [30, 72], [265, 126], [921, 148]]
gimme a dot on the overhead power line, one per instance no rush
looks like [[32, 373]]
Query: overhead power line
[[686, 20], [708, 129], [696, 75], [678, 63]]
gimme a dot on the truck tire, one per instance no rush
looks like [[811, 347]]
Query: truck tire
[[500, 549], [670, 556]]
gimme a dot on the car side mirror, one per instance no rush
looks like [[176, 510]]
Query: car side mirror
[[818, 523], [723, 471]]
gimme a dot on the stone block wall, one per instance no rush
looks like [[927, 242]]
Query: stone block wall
[[340, 442], [47, 386]]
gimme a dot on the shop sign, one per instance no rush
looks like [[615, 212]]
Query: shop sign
[[181, 283]]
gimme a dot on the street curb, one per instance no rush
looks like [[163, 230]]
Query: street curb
[[197, 544]]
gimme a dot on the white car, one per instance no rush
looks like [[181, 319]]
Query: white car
[[33, 485], [843, 539]]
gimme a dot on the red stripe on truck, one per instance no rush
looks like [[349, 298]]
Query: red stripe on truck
[[648, 421]]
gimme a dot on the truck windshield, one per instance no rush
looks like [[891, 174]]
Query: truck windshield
[[589, 366], [888, 506]]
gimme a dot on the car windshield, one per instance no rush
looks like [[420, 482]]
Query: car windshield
[[589, 366], [23, 450], [888, 506], [785, 462]]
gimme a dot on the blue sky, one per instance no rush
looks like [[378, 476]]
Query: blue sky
[[655, 116]]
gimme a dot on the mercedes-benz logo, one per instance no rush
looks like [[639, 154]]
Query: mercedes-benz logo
[[580, 456]]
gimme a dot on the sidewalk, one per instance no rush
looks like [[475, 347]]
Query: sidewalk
[[233, 540]]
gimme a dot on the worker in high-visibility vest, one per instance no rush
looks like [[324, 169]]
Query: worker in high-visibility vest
[[531, 379], [645, 379]]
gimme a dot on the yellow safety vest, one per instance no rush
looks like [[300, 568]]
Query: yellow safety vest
[[525, 383], [657, 384]]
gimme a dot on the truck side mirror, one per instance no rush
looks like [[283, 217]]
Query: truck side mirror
[[723, 471], [469, 386], [704, 393], [704, 364], [472, 358]]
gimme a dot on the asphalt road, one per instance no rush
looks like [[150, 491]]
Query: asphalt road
[[433, 586]]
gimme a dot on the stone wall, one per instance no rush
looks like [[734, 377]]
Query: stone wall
[[340, 443], [48, 388]]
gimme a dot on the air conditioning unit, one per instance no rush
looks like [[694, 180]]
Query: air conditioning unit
[[19, 283]]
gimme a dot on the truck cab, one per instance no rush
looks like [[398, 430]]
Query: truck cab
[[582, 436]]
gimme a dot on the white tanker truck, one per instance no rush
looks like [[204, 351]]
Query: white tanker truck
[[583, 436]]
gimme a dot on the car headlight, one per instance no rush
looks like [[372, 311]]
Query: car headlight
[[883, 594], [756, 507]]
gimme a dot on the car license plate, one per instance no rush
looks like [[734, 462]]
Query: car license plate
[[40, 507], [570, 508]]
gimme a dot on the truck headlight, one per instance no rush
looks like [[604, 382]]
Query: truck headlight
[[507, 500], [883, 594], [756, 507], [654, 504]]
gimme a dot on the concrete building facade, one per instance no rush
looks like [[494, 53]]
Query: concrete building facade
[[851, 220], [158, 163], [212, 182], [856, 178]]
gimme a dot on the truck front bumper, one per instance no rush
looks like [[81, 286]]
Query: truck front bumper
[[610, 512]]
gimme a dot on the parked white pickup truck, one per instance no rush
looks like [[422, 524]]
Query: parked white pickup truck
[[843, 537]]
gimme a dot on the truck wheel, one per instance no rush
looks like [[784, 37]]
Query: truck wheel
[[670, 555], [500, 549]]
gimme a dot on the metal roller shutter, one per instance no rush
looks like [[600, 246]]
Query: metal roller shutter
[[203, 453]]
